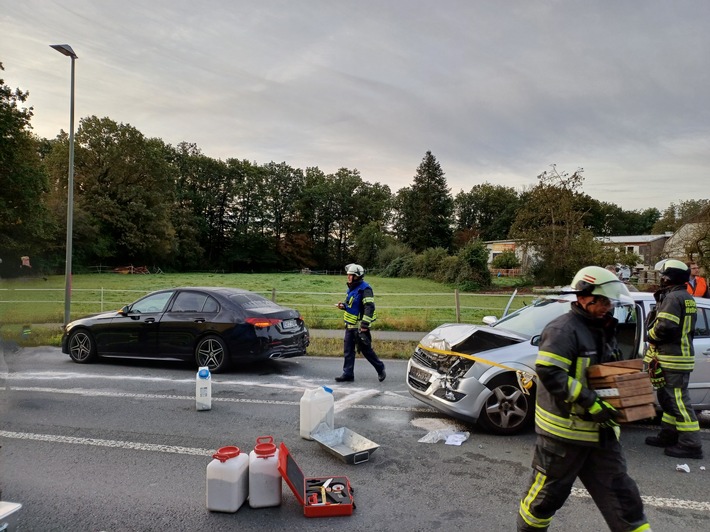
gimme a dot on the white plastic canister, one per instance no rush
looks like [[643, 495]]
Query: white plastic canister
[[203, 389], [264, 476], [227, 480], [317, 406]]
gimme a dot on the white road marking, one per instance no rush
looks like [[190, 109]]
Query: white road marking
[[659, 502], [347, 401], [116, 444]]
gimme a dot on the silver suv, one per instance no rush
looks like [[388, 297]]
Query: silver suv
[[491, 396]]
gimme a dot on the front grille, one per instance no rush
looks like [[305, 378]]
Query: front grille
[[440, 363], [421, 386]]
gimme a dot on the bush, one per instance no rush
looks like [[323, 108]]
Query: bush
[[428, 262], [506, 261]]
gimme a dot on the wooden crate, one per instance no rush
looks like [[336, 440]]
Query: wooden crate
[[626, 387]]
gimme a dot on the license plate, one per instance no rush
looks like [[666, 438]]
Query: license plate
[[289, 324], [419, 374]]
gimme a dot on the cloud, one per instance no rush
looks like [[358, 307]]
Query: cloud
[[497, 91]]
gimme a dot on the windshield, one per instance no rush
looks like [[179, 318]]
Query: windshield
[[531, 320]]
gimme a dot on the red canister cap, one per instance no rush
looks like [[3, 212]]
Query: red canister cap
[[225, 453], [265, 447]]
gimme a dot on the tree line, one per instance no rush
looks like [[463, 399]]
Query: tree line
[[140, 201]]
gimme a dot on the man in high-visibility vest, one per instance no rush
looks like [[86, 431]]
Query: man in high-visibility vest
[[358, 314], [670, 358], [577, 434], [697, 286]]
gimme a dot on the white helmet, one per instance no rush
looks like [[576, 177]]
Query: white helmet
[[355, 269], [673, 272], [598, 281]]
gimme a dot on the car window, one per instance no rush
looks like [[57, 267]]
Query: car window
[[701, 326], [531, 320], [250, 301], [152, 303], [194, 302]]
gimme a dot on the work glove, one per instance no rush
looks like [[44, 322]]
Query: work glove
[[364, 337], [651, 354], [603, 413], [655, 372]]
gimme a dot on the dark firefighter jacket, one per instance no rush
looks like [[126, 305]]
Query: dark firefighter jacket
[[671, 327], [568, 346], [359, 305]]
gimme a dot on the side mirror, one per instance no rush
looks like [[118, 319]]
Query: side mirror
[[124, 310], [489, 320], [535, 340]]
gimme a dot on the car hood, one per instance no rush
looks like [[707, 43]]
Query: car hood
[[94, 317], [469, 338]]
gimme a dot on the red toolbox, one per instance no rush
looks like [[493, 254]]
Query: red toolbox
[[319, 496]]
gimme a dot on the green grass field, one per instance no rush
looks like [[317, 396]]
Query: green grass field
[[402, 304]]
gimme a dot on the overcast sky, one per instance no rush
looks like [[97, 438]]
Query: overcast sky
[[497, 90]]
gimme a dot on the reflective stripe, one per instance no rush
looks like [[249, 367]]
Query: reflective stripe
[[670, 317], [643, 527], [546, 358], [533, 492], [687, 425], [569, 429], [575, 388], [681, 363]]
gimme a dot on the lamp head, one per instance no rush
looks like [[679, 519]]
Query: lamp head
[[64, 49]]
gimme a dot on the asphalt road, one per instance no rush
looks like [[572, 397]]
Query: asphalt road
[[119, 446]]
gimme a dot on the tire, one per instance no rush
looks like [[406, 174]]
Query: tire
[[508, 410], [211, 351], [82, 348]]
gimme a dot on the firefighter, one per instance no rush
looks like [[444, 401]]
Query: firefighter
[[671, 358], [577, 433], [358, 314]]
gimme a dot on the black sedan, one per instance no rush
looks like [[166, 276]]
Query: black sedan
[[211, 326]]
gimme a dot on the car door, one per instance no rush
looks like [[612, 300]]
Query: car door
[[188, 317], [134, 331], [700, 377]]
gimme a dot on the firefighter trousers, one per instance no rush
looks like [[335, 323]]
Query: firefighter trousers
[[352, 340], [557, 464], [678, 418]]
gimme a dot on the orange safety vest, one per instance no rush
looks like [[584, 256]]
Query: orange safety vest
[[701, 287]]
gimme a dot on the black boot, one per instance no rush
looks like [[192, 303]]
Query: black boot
[[665, 438], [681, 451]]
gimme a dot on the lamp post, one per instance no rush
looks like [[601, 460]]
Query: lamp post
[[65, 49]]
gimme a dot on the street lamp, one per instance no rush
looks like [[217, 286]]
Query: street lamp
[[65, 49]]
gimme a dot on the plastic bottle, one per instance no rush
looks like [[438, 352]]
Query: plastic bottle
[[227, 480], [203, 389], [317, 406], [264, 476]]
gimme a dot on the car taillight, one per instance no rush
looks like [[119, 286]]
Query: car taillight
[[262, 323]]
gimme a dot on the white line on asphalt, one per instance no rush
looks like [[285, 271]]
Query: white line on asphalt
[[106, 443], [100, 393], [659, 502]]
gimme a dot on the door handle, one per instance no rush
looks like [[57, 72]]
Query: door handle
[[150, 320]]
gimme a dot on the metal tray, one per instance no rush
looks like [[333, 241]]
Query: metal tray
[[347, 445]]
